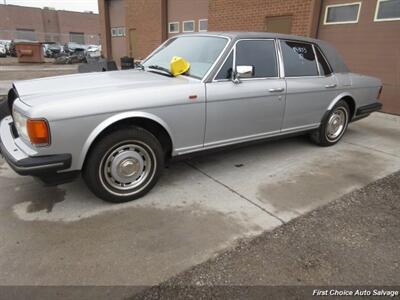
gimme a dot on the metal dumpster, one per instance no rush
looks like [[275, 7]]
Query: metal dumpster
[[29, 52]]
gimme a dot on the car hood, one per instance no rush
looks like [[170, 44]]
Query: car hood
[[32, 91]]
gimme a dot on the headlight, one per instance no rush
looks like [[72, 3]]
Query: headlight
[[34, 130], [20, 122]]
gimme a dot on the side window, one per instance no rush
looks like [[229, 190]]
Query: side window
[[259, 54], [226, 70], [299, 59], [323, 65]]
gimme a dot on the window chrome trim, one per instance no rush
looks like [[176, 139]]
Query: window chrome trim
[[342, 22], [277, 58], [378, 2], [316, 47], [316, 60], [222, 64]]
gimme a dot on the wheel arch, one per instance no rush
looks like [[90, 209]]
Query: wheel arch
[[148, 121], [349, 98]]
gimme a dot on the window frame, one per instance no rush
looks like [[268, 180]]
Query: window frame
[[205, 78], [76, 34], [378, 2], [200, 20], [121, 32], [189, 21], [25, 32], [342, 22], [313, 45], [277, 58], [169, 27]]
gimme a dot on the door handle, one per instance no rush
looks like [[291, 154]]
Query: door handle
[[331, 86], [278, 90]]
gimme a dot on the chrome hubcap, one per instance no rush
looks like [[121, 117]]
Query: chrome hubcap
[[126, 167], [336, 124]]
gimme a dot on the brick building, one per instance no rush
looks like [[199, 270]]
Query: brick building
[[365, 32], [19, 22]]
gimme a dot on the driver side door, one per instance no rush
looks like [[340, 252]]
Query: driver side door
[[252, 107]]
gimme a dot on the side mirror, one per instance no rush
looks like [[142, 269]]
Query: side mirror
[[243, 72]]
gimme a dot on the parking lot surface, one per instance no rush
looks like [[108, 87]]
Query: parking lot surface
[[65, 236], [352, 241]]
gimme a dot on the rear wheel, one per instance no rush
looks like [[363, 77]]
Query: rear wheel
[[124, 165], [333, 126]]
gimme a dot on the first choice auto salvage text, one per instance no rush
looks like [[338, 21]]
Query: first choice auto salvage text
[[356, 292]]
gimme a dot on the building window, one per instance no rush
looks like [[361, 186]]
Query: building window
[[118, 31], [121, 31], [77, 37], [188, 26], [203, 25], [342, 13], [387, 10], [173, 27], [26, 34]]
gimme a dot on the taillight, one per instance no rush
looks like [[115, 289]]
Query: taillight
[[380, 93], [38, 132]]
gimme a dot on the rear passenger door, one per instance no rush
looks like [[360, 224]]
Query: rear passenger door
[[311, 85], [251, 108]]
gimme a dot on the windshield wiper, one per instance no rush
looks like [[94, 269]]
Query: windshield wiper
[[139, 66], [156, 67]]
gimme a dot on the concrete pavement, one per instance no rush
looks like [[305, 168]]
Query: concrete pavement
[[65, 236], [353, 241]]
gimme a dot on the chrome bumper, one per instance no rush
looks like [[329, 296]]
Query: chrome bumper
[[24, 164]]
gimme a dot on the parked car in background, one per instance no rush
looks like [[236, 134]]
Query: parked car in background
[[74, 48], [93, 51], [52, 50], [195, 92], [3, 51], [6, 44]]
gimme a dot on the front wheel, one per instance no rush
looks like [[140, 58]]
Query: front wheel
[[333, 126], [124, 165]]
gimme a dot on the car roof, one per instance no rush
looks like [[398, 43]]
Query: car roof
[[334, 59], [234, 35]]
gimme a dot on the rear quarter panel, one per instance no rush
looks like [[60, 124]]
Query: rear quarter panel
[[364, 89]]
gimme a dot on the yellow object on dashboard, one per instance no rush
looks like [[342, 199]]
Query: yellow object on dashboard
[[179, 65]]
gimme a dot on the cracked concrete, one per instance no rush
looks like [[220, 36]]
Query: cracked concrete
[[64, 235]]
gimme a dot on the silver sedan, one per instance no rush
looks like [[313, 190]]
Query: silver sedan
[[193, 93]]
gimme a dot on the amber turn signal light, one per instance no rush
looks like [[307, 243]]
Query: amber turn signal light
[[38, 132]]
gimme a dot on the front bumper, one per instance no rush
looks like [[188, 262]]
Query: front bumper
[[22, 163]]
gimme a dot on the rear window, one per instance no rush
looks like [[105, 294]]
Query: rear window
[[323, 64], [299, 59]]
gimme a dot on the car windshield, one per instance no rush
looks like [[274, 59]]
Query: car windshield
[[200, 51]]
